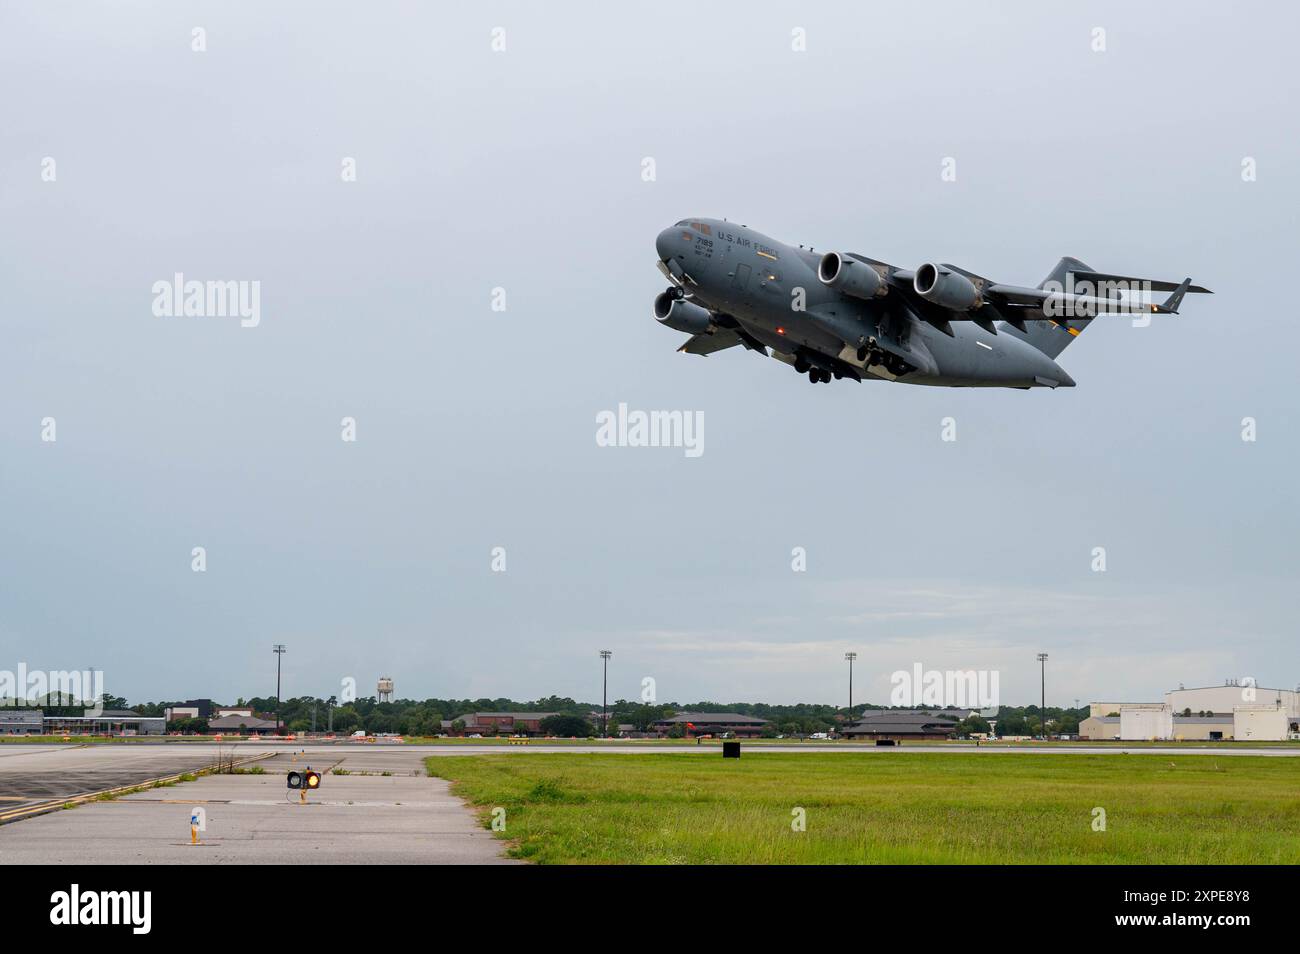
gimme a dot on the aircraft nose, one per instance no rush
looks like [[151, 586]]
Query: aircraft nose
[[668, 244]]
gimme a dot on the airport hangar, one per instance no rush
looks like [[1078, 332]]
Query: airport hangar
[[1211, 713]]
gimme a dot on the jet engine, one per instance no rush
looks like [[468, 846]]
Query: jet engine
[[946, 288], [681, 315], [850, 276]]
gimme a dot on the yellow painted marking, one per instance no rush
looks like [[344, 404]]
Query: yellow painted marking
[[765, 255], [1073, 331]]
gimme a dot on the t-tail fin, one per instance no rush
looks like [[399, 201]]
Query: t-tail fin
[[1048, 336]]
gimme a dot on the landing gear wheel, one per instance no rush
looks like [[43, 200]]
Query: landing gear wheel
[[801, 365], [814, 375], [838, 375], [862, 353], [676, 292]]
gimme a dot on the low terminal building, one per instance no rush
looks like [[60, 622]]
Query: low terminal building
[[242, 724], [695, 724], [21, 722], [499, 723], [107, 722], [898, 725]]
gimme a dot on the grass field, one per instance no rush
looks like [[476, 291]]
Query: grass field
[[886, 808]]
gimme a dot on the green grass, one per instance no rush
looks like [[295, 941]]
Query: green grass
[[890, 808]]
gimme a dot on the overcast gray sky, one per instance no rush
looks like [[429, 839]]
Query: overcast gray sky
[[522, 170]]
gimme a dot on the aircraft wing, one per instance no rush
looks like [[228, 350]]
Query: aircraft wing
[[1015, 304], [709, 342]]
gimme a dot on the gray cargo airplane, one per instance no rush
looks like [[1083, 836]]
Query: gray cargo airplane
[[841, 315]]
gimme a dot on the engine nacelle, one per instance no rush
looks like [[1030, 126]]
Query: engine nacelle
[[946, 288], [850, 276], [681, 315]]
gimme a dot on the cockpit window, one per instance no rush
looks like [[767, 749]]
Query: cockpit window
[[700, 227]]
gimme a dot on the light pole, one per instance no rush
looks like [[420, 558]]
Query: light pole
[[278, 649], [330, 703], [1042, 703], [850, 657], [604, 688]]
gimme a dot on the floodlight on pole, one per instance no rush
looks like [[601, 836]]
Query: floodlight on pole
[[1042, 704], [850, 657], [279, 651], [604, 687]]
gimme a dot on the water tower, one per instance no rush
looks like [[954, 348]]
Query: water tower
[[385, 688]]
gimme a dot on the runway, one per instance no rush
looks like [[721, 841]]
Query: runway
[[36, 774], [374, 806]]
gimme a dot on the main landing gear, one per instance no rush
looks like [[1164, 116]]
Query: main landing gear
[[815, 375]]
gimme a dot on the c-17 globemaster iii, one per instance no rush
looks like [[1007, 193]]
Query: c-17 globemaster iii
[[843, 315]]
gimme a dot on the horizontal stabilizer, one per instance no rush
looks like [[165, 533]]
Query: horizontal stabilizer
[[1154, 285]]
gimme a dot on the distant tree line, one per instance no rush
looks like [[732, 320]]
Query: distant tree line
[[425, 717]]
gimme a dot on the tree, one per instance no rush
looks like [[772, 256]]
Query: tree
[[428, 724], [1012, 723], [567, 725], [346, 719]]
